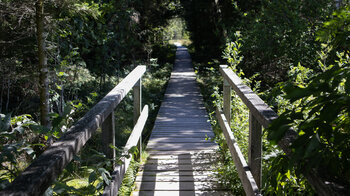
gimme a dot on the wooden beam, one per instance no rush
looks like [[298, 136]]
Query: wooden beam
[[108, 136], [265, 115], [227, 100], [262, 112], [137, 100], [119, 171], [36, 178], [137, 109], [255, 149], [244, 173]]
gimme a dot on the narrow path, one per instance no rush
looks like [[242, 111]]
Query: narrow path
[[181, 159]]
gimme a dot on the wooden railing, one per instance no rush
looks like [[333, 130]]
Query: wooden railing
[[36, 178], [260, 115]]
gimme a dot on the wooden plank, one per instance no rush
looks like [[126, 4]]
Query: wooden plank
[[176, 173], [182, 130], [182, 146], [193, 156], [156, 140], [227, 100], [244, 173], [265, 115], [137, 100], [182, 193], [118, 173], [175, 186], [179, 152], [255, 149], [176, 179], [181, 114], [176, 161], [117, 178], [173, 167], [108, 136], [181, 119], [138, 128], [182, 134], [36, 178]]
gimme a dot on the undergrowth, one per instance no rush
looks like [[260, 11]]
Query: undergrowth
[[22, 139]]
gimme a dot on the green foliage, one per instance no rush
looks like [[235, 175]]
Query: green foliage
[[321, 118], [336, 30], [17, 143]]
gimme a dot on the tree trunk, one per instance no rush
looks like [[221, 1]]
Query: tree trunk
[[43, 69]]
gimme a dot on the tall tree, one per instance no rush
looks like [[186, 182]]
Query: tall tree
[[43, 68]]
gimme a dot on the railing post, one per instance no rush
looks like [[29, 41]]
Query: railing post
[[137, 108], [108, 136], [227, 101], [255, 148]]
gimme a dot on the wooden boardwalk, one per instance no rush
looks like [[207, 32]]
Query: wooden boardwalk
[[181, 160]]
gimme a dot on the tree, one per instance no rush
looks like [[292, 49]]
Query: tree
[[43, 68]]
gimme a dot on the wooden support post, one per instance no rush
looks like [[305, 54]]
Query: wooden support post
[[227, 101], [108, 136], [137, 109], [255, 148]]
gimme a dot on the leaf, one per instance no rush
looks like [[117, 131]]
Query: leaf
[[39, 129], [105, 174], [314, 143], [5, 123], [92, 177], [294, 93], [99, 186]]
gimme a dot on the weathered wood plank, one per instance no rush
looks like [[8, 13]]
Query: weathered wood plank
[[193, 156], [176, 179], [176, 173], [155, 140], [182, 193], [227, 100], [108, 136], [182, 146], [265, 115], [182, 131], [182, 134], [178, 152], [255, 149], [173, 167], [36, 178], [119, 171], [187, 161], [176, 186], [244, 173], [137, 100]]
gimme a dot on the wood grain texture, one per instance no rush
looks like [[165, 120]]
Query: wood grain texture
[[36, 178], [264, 115], [119, 171], [182, 157], [244, 173]]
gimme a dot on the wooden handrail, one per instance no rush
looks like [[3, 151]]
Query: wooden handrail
[[134, 138], [244, 173], [260, 114], [40, 174]]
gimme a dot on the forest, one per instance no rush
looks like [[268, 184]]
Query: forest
[[58, 58]]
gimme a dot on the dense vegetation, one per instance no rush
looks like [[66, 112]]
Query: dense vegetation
[[295, 55], [59, 57]]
